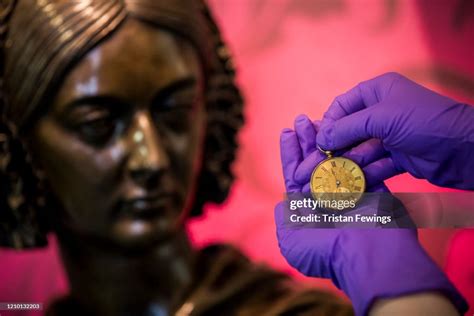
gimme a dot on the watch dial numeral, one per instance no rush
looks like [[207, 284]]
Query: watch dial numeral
[[338, 174]]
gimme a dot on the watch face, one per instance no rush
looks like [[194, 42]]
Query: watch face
[[337, 178]]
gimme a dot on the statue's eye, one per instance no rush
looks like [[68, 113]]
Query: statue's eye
[[98, 131], [95, 125], [95, 120], [175, 113]]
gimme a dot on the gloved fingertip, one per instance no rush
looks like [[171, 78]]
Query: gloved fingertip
[[301, 117], [325, 138], [302, 124], [286, 135]]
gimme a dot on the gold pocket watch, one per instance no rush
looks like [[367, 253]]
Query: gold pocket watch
[[337, 179]]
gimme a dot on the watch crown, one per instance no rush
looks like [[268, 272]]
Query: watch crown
[[326, 152]]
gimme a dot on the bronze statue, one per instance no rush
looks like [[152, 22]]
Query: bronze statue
[[119, 121]]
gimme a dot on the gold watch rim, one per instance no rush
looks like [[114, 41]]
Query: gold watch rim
[[330, 158]]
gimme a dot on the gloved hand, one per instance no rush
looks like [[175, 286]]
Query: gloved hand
[[426, 134], [367, 264], [369, 155]]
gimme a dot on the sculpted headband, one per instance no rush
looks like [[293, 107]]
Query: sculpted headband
[[46, 37]]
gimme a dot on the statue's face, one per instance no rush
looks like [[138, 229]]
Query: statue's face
[[121, 144]]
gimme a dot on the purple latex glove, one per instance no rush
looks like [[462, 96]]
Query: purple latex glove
[[426, 134], [366, 264], [370, 156]]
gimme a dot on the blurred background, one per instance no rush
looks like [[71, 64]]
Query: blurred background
[[293, 57]]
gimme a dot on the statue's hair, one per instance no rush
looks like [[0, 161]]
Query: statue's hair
[[41, 40]]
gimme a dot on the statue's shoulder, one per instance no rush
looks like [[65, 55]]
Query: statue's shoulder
[[228, 283]]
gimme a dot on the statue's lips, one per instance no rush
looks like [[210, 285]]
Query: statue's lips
[[146, 207]]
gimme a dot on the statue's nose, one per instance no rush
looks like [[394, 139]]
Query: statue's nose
[[148, 157]]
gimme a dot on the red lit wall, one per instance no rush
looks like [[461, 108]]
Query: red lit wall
[[295, 56]]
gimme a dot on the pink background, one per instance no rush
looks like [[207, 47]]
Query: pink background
[[295, 56]]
